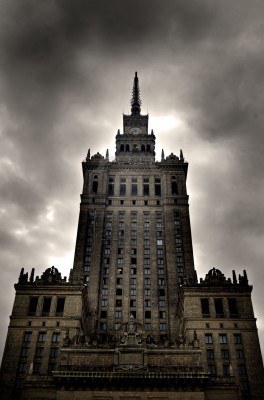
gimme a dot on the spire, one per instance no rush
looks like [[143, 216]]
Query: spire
[[135, 101]]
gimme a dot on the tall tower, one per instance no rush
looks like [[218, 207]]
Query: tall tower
[[134, 246]]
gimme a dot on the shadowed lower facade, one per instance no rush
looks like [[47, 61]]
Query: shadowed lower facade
[[132, 321]]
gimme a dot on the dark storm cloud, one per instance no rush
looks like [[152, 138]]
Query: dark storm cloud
[[66, 72]]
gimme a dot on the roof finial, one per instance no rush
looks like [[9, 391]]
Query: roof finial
[[135, 101]]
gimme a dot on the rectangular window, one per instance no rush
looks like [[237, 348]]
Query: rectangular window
[[157, 189], [33, 303], [133, 292], [111, 186], [42, 336], [148, 314], [237, 338], [104, 303], [24, 351], [54, 352], [162, 303], [46, 306], [239, 353], [133, 271], [56, 337], [161, 292], [117, 325], [178, 240], [160, 261], [161, 282], [106, 270], [134, 190], [133, 242], [118, 303], [147, 281], [232, 305], [147, 303], [241, 369], [224, 353], [60, 306], [133, 251], [119, 271], [162, 326], [118, 314], [208, 338], [180, 269], [159, 242], [133, 281], [104, 291], [122, 186], [159, 252], [22, 367], [27, 336], [222, 338], [147, 271], [161, 271], [133, 233], [106, 251], [145, 186], [219, 308], [210, 354], [147, 326], [105, 281], [146, 261], [39, 352], [226, 369], [120, 261], [147, 292], [146, 215], [103, 314], [133, 303], [211, 369], [120, 251], [119, 292], [162, 314], [103, 326], [205, 307], [121, 215], [119, 281]]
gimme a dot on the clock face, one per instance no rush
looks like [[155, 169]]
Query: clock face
[[135, 131]]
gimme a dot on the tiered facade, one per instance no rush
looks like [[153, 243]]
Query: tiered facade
[[132, 321]]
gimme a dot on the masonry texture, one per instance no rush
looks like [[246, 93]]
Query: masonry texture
[[133, 321]]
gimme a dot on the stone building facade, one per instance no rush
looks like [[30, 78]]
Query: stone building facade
[[133, 321]]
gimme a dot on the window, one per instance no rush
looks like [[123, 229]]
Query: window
[[226, 369], [118, 314], [95, 186], [133, 281], [104, 291], [119, 292], [158, 233], [103, 326], [118, 303], [24, 351], [133, 242], [210, 354], [148, 314], [33, 303], [178, 240], [106, 261], [107, 251], [179, 259], [119, 281], [205, 307], [105, 281], [211, 369], [174, 186], [133, 251], [237, 338], [60, 306], [133, 271], [160, 261], [27, 336], [104, 303], [22, 367], [133, 214], [86, 268], [222, 338], [119, 271], [146, 224], [219, 308], [146, 261], [133, 225], [54, 352], [161, 271], [224, 353], [159, 252], [208, 338], [133, 292], [241, 369], [162, 314], [162, 326], [146, 242], [161, 282], [146, 215], [56, 337], [159, 242], [157, 187], [133, 303], [180, 269], [146, 251], [147, 326], [147, 281], [121, 215], [161, 292], [147, 271], [42, 336], [178, 250], [147, 292], [46, 306], [162, 303], [232, 305], [180, 280], [122, 186], [134, 190], [117, 325], [145, 186], [146, 234], [147, 303], [133, 260], [133, 233], [244, 385], [120, 261], [239, 353]]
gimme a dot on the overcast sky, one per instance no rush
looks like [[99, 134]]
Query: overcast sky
[[66, 77]]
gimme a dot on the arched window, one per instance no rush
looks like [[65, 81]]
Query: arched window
[[148, 147], [127, 147], [143, 148], [122, 147]]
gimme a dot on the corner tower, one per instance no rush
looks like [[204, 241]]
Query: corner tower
[[134, 246]]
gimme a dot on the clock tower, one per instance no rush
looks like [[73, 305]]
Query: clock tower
[[135, 144]]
